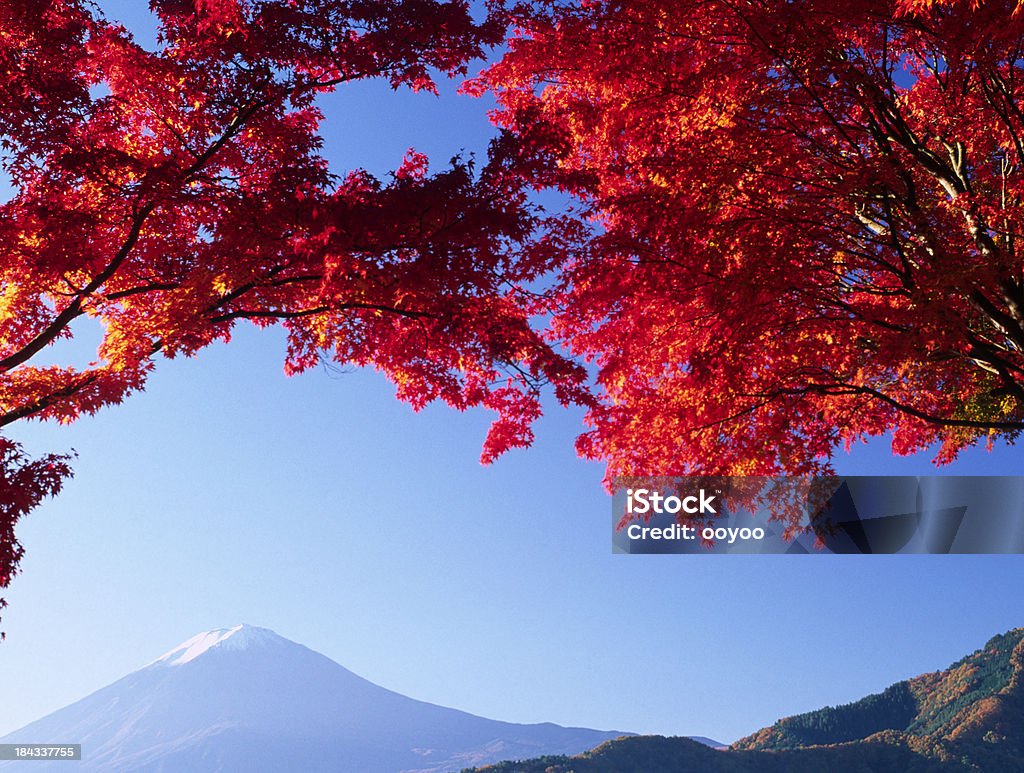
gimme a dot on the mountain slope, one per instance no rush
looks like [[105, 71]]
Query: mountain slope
[[969, 717], [246, 699], [972, 710]]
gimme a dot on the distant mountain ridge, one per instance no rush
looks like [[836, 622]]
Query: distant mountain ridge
[[246, 699], [968, 717]]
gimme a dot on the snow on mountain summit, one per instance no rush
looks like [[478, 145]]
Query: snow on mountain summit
[[237, 638]]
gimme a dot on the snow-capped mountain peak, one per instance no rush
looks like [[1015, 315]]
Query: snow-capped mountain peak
[[237, 638], [239, 699]]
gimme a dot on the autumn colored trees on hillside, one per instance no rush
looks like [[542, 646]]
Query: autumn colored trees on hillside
[[796, 226]]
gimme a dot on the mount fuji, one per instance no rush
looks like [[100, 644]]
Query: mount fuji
[[246, 699]]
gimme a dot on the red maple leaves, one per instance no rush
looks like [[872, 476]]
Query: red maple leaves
[[799, 224], [168, 194], [808, 222]]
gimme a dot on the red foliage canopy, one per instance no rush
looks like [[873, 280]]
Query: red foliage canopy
[[169, 193], [809, 221], [807, 217]]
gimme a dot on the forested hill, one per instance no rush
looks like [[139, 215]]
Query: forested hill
[[974, 709], [969, 717]]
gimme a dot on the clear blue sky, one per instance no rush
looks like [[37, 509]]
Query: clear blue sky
[[322, 508]]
